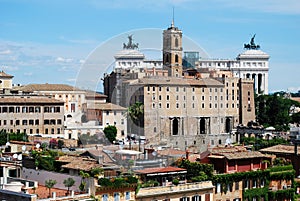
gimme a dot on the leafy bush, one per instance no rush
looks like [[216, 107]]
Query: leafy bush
[[175, 182]]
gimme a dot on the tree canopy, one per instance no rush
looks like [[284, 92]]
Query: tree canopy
[[110, 133], [274, 110]]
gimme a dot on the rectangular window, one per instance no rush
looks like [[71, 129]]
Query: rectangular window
[[127, 195], [196, 198], [17, 109], [116, 197], [105, 197], [37, 122], [4, 110], [17, 122], [73, 107], [31, 121], [37, 109], [24, 122], [11, 109], [237, 186], [31, 109]]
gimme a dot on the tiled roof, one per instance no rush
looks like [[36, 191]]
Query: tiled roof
[[97, 153], [160, 170], [296, 99], [178, 81], [27, 99], [288, 149], [46, 87], [244, 155], [78, 163], [3, 74], [106, 106], [172, 152], [220, 150], [92, 94]]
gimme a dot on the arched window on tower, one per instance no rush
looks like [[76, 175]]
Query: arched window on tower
[[176, 58], [176, 42], [167, 58], [175, 126]]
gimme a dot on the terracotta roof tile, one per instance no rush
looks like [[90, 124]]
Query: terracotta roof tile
[[46, 87], [280, 149], [178, 81], [240, 155], [3, 74], [27, 99], [106, 106], [159, 170], [172, 152]]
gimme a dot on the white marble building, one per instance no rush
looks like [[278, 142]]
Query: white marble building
[[253, 63]]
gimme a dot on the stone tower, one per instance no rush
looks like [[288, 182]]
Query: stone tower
[[172, 51]]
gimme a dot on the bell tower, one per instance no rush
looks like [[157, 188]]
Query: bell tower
[[172, 51]]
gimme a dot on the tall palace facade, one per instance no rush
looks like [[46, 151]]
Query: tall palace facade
[[187, 108]]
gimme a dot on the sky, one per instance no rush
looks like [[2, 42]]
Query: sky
[[73, 41]]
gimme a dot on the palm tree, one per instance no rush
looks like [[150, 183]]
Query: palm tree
[[49, 184], [96, 172], [136, 113], [83, 175], [69, 182]]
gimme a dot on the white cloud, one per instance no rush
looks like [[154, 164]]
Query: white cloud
[[5, 52], [274, 6], [28, 73], [64, 60], [9, 68]]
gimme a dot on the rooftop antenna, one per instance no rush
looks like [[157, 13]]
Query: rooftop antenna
[[172, 25]]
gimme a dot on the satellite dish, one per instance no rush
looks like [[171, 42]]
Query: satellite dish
[[37, 145], [23, 148], [7, 144], [228, 141], [154, 153], [20, 157], [15, 156]]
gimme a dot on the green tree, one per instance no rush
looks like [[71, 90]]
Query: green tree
[[96, 172], [69, 182], [49, 184], [84, 176], [274, 110], [60, 144], [136, 114], [110, 133]]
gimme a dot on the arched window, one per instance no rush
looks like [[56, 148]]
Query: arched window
[[167, 58], [227, 125], [176, 42], [175, 126], [176, 58]]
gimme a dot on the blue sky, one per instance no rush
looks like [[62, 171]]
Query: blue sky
[[48, 41]]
